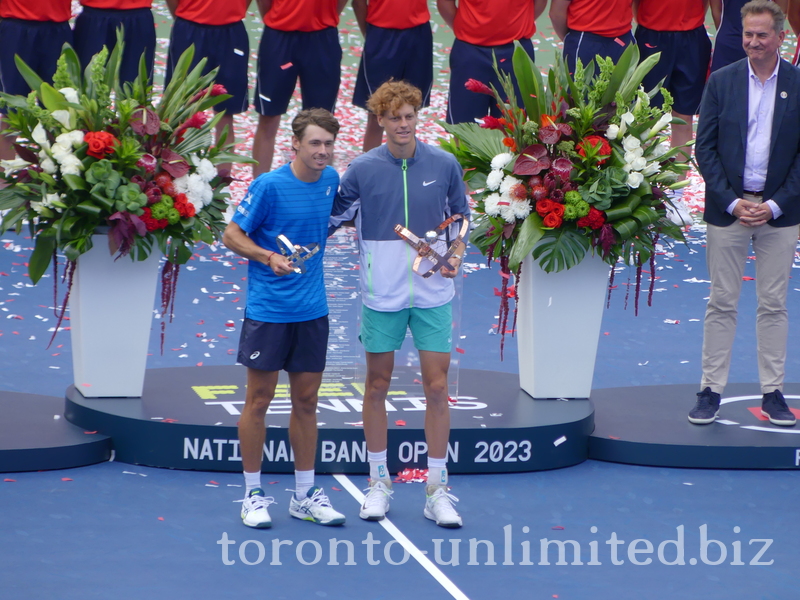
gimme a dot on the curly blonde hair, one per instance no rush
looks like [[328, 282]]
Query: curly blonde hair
[[392, 95]]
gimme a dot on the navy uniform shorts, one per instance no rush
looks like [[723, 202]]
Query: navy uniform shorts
[[586, 46], [95, 28], [292, 347], [225, 46], [684, 62], [400, 54], [468, 61], [283, 56], [38, 43]]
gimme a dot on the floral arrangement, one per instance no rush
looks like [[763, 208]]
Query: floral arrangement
[[92, 154], [581, 166]]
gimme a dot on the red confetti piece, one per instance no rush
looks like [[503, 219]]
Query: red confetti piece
[[452, 400], [160, 518], [10, 480], [335, 489], [86, 384], [606, 333], [286, 66], [200, 364], [400, 423], [557, 527], [620, 42], [66, 479], [89, 432], [214, 482], [614, 437], [169, 420], [273, 482], [201, 322], [460, 350], [744, 278], [418, 381]]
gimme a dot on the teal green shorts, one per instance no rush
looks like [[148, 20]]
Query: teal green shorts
[[384, 331]]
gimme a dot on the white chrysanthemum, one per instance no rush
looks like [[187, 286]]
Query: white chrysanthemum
[[521, 208], [491, 204], [635, 180], [63, 117], [501, 160], [9, 166], [507, 212], [60, 152], [612, 132], [48, 166], [206, 170], [508, 183], [39, 136], [631, 143], [197, 191], [70, 94], [494, 179]]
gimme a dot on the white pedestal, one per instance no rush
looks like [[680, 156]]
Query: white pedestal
[[558, 327], [111, 312]]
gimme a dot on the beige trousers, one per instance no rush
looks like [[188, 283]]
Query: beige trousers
[[727, 251]]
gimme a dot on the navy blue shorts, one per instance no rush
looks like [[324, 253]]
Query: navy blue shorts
[[400, 54], [95, 28], [587, 46], [468, 61], [292, 347], [38, 43], [224, 46], [684, 62], [283, 56]]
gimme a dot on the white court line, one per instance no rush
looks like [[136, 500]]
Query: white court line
[[419, 555]]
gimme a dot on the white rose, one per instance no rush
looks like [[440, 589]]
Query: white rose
[[612, 132], [70, 94], [633, 155], [72, 162], [60, 152], [71, 169], [638, 163], [48, 201], [39, 136], [660, 150], [48, 166], [494, 180], [631, 143], [37, 206], [63, 117], [635, 180], [75, 137], [501, 160]]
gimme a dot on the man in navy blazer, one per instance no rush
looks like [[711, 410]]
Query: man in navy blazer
[[748, 150]]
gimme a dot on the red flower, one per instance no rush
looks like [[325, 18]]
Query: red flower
[[490, 122], [150, 223], [196, 121], [552, 219], [100, 143], [473, 85], [162, 179], [518, 192], [558, 209], [543, 207], [216, 90], [511, 144], [538, 192], [591, 141], [594, 219]]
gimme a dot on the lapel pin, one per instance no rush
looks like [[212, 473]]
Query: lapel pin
[[784, 95]]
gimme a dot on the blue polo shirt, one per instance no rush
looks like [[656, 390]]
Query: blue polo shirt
[[277, 203]]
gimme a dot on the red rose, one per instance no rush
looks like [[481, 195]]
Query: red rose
[[591, 141], [544, 206], [593, 220], [100, 143], [552, 219], [558, 209]]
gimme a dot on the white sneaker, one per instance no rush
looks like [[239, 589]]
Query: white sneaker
[[254, 509], [439, 506], [315, 507], [376, 501]]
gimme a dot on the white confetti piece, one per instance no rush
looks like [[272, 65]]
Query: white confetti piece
[[560, 441]]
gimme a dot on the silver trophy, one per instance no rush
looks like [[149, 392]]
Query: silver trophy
[[296, 254], [425, 246]]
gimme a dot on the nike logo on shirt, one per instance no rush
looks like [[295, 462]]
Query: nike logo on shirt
[[427, 183]]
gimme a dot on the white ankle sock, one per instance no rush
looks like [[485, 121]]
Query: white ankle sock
[[251, 481], [377, 465], [437, 471], [303, 481]]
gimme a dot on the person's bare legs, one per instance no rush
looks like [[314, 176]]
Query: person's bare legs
[[303, 420], [373, 134], [6, 142], [437, 414], [379, 375], [682, 134], [252, 429], [264, 143]]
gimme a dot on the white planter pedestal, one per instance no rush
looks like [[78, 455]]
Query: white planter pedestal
[[111, 313], [558, 327]]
